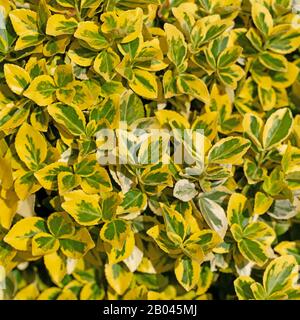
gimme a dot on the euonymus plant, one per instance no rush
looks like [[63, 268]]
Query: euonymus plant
[[223, 223]]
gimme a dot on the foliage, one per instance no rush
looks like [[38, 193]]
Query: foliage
[[226, 227]]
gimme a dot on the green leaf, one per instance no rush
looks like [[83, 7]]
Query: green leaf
[[43, 15], [12, 117], [92, 291], [60, 225], [273, 61], [289, 248], [176, 226], [134, 200], [214, 215], [159, 234], [229, 57], [67, 181], [109, 204], [55, 264], [16, 78], [253, 172], [131, 107], [115, 232], [277, 128], [284, 39], [258, 291], [89, 32], [25, 184], [41, 90], [117, 254], [107, 110], [155, 177], [187, 272], [253, 251], [76, 246], [177, 47], [31, 146], [242, 286], [237, 210], [85, 167], [228, 150], [63, 75], [83, 208], [144, 84], [28, 40], [118, 277], [21, 234], [98, 180], [44, 243], [80, 55], [274, 183], [24, 21], [230, 76], [267, 98], [105, 63], [254, 37], [193, 86], [69, 116], [48, 176], [262, 18], [262, 203], [58, 25], [280, 275], [259, 231]]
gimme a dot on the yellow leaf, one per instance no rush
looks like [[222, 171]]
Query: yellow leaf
[[92, 291], [177, 47], [144, 84], [130, 23], [115, 232], [41, 90], [236, 210], [58, 25], [49, 294], [193, 86], [76, 246], [30, 292], [31, 146], [118, 277], [23, 21], [82, 207], [280, 275], [105, 63], [165, 116], [262, 203], [25, 184], [6, 173], [44, 243], [89, 32], [116, 255], [8, 207], [16, 78], [187, 272], [20, 235], [56, 266], [81, 56], [262, 18]]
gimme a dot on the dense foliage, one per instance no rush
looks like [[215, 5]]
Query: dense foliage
[[226, 227]]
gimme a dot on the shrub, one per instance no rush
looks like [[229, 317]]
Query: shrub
[[86, 213]]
